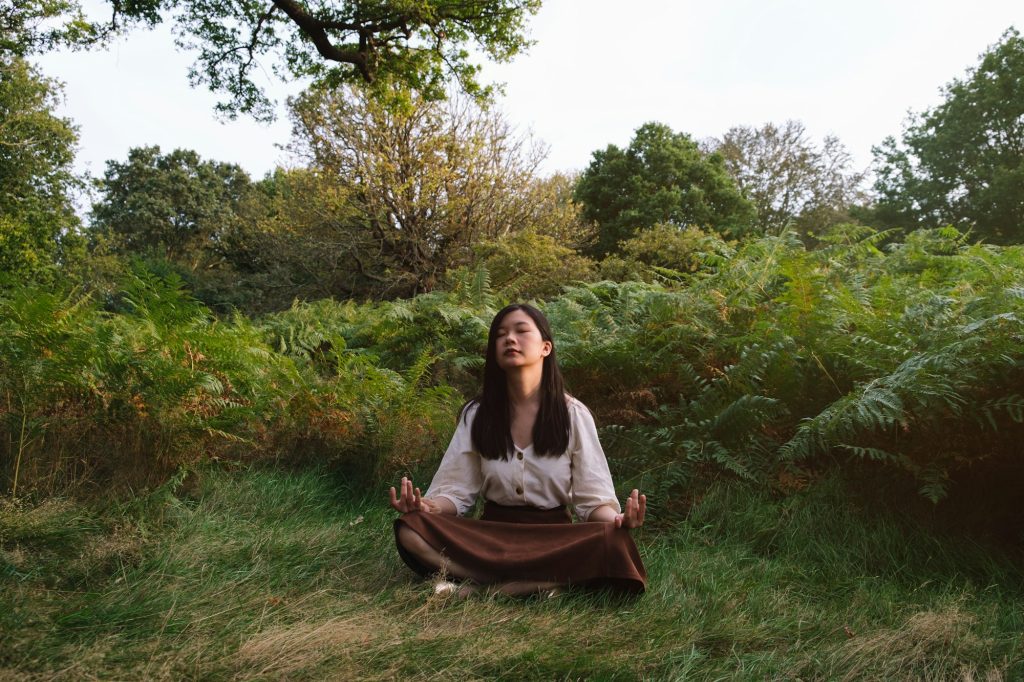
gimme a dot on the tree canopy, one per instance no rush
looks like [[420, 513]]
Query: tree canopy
[[962, 162], [37, 150], [30, 26], [419, 44], [427, 181], [791, 181], [171, 206], [662, 177]]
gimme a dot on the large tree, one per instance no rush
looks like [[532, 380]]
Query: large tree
[[37, 150], [662, 177], [962, 162], [294, 239], [173, 206], [419, 44], [791, 181], [428, 180]]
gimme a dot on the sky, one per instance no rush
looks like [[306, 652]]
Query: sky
[[599, 70]]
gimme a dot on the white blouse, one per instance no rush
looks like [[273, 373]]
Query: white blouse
[[579, 476]]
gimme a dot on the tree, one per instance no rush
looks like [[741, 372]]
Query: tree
[[293, 240], [428, 180], [962, 162], [791, 181], [662, 177], [37, 150], [30, 26], [419, 44], [174, 206], [555, 214]]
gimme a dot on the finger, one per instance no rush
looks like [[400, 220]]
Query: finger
[[643, 508], [394, 499], [418, 498]]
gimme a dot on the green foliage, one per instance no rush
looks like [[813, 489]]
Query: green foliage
[[174, 206], [797, 357], [422, 45], [293, 238], [766, 362], [36, 180], [662, 177], [90, 396], [961, 162], [664, 251], [31, 26], [528, 265]]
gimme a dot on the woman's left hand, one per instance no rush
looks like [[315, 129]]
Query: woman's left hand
[[636, 509], [412, 500]]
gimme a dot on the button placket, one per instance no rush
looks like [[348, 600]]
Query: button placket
[[519, 456]]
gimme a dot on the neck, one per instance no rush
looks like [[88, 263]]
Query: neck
[[524, 386]]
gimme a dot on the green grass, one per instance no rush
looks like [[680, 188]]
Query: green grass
[[273, 575]]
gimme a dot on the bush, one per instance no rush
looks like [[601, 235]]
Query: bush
[[530, 266]]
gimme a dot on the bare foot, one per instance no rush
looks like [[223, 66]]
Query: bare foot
[[446, 589]]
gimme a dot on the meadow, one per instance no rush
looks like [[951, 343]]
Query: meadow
[[271, 574], [829, 438]]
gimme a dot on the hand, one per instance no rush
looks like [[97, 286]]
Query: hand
[[636, 509], [412, 500]]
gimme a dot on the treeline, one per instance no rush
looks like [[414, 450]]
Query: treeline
[[388, 197], [743, 305]]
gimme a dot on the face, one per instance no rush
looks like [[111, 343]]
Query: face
[[518, 342]]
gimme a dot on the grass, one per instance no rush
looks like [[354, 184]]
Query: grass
[[263, 574]]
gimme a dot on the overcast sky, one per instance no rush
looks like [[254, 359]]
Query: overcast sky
[[600, 69]]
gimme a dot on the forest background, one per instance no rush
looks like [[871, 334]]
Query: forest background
[[762, 331]]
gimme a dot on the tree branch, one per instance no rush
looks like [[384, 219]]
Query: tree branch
[[316, 30]]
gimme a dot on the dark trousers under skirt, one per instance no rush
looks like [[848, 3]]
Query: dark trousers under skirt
[[523, 543]]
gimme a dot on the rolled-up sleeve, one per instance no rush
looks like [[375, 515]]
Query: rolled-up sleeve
[[591, 479], [458, 478]]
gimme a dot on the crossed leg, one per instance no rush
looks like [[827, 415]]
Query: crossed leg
[[437, 561]]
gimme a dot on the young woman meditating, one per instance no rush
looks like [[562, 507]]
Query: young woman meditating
[[532, 451]]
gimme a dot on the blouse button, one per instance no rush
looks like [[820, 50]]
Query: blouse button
[[519, 454], [519, 491]]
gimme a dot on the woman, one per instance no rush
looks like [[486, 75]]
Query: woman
[[531, 450]]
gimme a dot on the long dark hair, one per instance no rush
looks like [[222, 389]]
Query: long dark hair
[[492, 432]]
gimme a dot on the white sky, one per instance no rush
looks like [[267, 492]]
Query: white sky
[[599, 70]]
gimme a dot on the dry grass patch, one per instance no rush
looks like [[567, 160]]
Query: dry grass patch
[[929, 645], [286, 650]]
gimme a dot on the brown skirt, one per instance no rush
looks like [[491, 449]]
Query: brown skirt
[[523, 543]]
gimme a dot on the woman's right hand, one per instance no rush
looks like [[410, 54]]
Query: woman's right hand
[[412, 500]]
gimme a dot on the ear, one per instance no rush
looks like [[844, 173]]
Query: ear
[[546, 349]]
